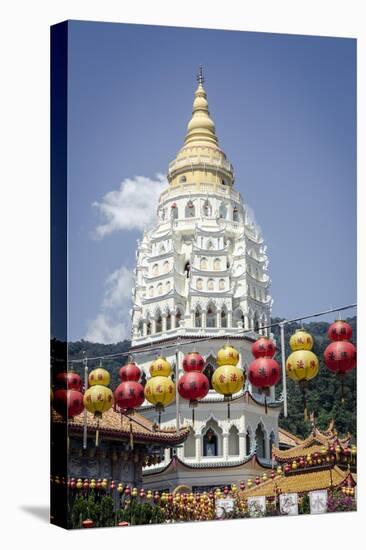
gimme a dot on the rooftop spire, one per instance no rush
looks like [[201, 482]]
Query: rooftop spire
[[201, 127]]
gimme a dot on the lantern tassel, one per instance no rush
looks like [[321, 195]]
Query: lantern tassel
[[228, 410], [159, 419], [265, 403], [304, 402], [131, 435], [193, 417], [97, 434]]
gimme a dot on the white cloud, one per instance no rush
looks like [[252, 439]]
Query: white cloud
[[112, 324], [132, 206]]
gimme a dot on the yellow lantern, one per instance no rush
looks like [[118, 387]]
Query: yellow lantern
[[92, 484], [98, 398], [160, 367], [227, 380], [227, 355], [160, 389], [302, 365], [99, 376], [301, 340]]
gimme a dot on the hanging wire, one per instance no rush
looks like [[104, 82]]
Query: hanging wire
[[151, 346]]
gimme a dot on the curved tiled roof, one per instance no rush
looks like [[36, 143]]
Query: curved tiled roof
[[301, 482], [287, 438], [115, 425]]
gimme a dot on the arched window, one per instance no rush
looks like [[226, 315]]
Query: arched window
[[198, 318], [155, 269], [166, 266], [158, 322], [203, 263], [233, 441], [210, 443], [261, 442], [207, 209], [239, 318], [148, 327], [161, 249], [211, 316], [178, 317], [187, 269], [174, 210], [223, 211], [168, 286], [224, 317], [209, 369], [210, 284], [235, 214], [168, 321], [160, 288], [210, 245], [182, 179], [151, 291], [222, 284], [217, 264], [199, 284], [256, 322], [190, 210]]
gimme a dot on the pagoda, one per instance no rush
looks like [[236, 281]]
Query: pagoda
[[202, 274]]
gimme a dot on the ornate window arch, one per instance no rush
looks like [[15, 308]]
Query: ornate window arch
[[198, 317], [223, 211], [238, 317], [190, 210], [210, 284], [260, 437], [224, 316], [222, 284], [166, 266], [212, 439], [233, 441], [209, 369], [168, 321], [203, 263], [211, 316], [217, 264], [178, 317], [151, 291], [155, 269], [199, 284], [160, 289], [158, 321]]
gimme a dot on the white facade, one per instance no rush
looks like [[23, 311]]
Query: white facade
[[202, 271]]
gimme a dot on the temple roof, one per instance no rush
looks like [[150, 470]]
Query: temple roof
[[287, 438], [314, 443], [117, 426], [302, 482]]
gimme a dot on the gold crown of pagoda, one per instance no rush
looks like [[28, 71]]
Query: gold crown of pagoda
[[201, 159]]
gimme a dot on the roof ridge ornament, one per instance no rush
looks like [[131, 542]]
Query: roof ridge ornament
[[200, 77]]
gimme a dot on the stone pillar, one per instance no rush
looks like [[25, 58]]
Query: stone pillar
[[204, 318], [218, 318], [144, 327], [242, 444], [246, 322], [163, 322], [229, 319], [199, 448], [153, 326], [173, 319], [225, 445]]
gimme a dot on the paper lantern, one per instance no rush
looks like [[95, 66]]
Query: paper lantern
[[98, 398], [340, 355], [227, 378], [193, 385]]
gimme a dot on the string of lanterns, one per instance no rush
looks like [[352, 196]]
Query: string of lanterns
[[98, 398], [340, 355]]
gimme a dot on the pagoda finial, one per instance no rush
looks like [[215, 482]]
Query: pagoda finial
[[200, 77]]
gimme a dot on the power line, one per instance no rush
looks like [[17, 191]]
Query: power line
[[208, 338]]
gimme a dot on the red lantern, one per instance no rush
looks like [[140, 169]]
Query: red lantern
[[193, 385], [68, 380], [339, 330], [129, 395], [129, 373], [264, 371], [263, 347], [68, 403], [193, 362], [340, 355]]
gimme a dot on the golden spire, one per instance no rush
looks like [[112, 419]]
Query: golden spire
[[201, 127]]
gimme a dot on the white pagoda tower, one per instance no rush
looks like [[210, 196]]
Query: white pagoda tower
[[202, 272]]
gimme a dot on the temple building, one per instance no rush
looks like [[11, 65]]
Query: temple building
[[321, 461], [202, 274]]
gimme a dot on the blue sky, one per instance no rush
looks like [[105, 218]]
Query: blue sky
[[285, 113]]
